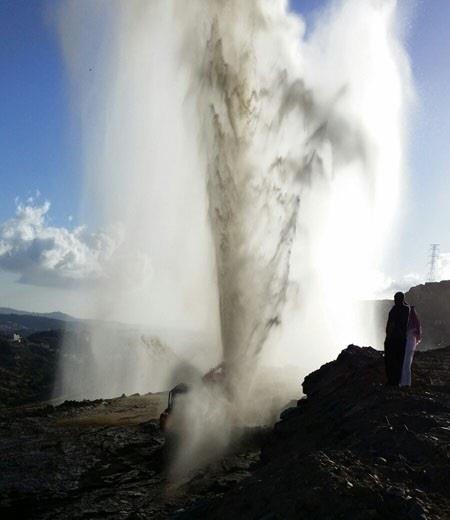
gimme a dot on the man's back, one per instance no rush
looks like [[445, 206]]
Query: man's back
[[397, 322]]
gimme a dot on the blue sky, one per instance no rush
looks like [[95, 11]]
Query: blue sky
[[40, 147], [428, 214]]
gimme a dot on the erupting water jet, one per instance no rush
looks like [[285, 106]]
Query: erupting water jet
[[292, 145]]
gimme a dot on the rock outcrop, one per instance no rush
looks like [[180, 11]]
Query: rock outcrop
[[354, 448], [433, 304]]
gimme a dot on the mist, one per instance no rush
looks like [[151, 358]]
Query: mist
[[252, 174]]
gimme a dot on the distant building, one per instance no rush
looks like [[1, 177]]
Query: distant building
[[17, 338]]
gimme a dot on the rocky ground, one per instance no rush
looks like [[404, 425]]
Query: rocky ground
[[103, 459], [351, 449], [354, 449]]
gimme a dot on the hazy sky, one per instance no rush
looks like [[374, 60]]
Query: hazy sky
[[40, 149]]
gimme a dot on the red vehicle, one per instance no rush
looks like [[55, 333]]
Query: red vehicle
[[164, 418], [214, 376]]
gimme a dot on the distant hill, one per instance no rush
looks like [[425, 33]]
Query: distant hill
[[26, 324], [52, 315]]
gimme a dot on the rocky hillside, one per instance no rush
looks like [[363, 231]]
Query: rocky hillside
[[27, 371], [29, 367], [354, 449], [26, 324], [351, 449]]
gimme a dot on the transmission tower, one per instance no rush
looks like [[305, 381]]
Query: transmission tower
[[433, 262]]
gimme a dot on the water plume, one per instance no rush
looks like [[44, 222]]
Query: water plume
[[258, 169]]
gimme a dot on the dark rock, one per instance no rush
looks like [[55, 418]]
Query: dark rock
[[433, 304], [355, 448]]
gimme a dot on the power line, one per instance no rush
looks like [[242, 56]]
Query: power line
[[433, 262]]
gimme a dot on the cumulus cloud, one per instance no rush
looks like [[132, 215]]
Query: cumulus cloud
[[406, 282], [384, 286], [42, 254], [411, 279]]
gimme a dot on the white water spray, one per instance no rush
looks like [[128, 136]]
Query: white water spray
[[232, 149]]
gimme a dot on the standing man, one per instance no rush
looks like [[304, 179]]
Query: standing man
[[395, 342]]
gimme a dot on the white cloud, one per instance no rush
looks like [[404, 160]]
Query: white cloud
[[386, 286], [52, 256]]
